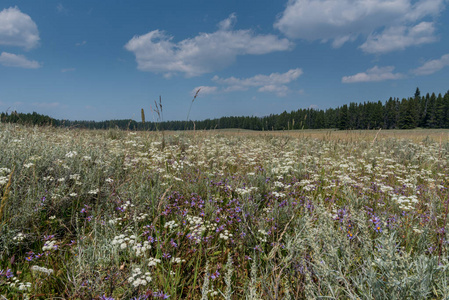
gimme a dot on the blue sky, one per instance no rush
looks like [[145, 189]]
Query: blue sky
[[100, 60]]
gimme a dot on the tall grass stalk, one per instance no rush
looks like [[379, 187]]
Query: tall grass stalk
[[191, 104]]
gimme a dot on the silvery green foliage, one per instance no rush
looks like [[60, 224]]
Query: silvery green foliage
[[205, 288], [252, 288], [228, 278]]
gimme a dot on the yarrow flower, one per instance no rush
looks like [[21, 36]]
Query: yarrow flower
[[41, 270], [71, 154], [137, 278], [50, 245], [153, 261], [93, 192]]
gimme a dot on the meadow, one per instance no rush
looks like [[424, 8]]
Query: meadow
[[227, 214]]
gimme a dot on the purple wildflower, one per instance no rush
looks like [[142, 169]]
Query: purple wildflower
[[350, 235], [9, 273], [48, 237], [258, 248], [215, 275], [161, 295]]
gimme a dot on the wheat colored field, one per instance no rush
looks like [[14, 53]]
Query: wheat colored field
[[229, 214]]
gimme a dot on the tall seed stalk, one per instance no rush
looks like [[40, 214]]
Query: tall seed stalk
[[188, 114], [160, 117], [142, 113]]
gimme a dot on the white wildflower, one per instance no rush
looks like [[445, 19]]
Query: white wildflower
[[71, 154]]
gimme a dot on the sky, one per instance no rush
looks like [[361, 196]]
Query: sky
[[101, 60]]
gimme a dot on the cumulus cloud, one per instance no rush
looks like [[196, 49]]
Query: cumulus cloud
[[432, 66], [207, 52], [17, 29], [346, 20], [279, 90], [373, 74], [19, 61], [273, 83], [399, 38]]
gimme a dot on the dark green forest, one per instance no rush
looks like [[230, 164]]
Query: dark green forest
[[429, 111]]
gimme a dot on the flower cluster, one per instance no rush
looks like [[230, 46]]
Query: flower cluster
[[4, 175], [152, 262], [124, 241], [50, 245], [43, 270], [19, 237], [138, 278]]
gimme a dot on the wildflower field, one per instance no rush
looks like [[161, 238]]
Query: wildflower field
[[223, 215]]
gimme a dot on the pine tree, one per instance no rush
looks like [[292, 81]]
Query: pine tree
[[343, 118], [439, 112], [406, 119], [417, 93], [431, 111]]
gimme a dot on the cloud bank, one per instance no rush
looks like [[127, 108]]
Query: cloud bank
[[19, 61], [432, 66], [373, 74], [387, 25], [274, 83], [207, 52]]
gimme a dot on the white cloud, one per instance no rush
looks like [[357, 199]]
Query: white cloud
[[156, 52], [17, 29], [259, 80], [432, 66], [280, 90], [81, 44], [274, 83], [345, 20], [228, 24], [373, 74], [19, 61], [205, 90], [399, 38]]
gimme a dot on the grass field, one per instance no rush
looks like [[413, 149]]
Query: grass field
[[226, 214]]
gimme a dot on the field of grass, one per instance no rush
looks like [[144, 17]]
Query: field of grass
[[223, 214]]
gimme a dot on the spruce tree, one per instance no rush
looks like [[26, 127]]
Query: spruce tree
[[406, 119], [343, 118]]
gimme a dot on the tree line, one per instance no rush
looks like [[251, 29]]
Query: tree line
[[429, 111]]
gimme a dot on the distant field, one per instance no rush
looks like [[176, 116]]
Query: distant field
[[412, 134], [223, 214]]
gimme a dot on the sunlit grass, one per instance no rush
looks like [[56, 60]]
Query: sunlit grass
[[223, 214]]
